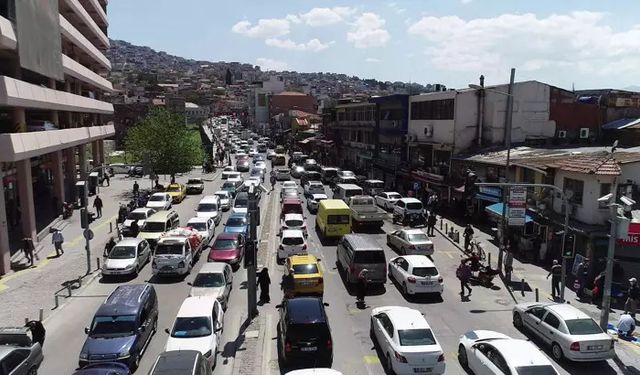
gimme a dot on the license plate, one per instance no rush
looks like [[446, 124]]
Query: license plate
[[594, 347], [309, 349], [427, 282], [306, 283], [167, 268], [422, 370]]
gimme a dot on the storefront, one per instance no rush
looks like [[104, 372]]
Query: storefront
[[430, 183]]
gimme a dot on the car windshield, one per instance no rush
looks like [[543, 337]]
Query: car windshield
[[174, 188], [169, 249], [194, 182], [305, 269], [222, 196], [293, 223], [157, 198], [153, 227], [292, 241], [207, 207], [338, 219], [583, 326], [137, 216], [536, 370], [414, 206], [229, 185], [225, 244], [418, 237], [416, 337], [198, 326], [235, 222], [123, 252], [209, 280], [369, 256], [241, 203], [113, 326], [198, 226], [424, 271]]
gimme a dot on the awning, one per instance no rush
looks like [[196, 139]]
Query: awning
[[488, 198], [496, 209]]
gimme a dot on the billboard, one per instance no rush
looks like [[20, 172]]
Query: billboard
[[38, 34]]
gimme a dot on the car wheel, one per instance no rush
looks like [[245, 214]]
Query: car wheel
[[136, 272], [462, 356], [517, 320], [556, 351]]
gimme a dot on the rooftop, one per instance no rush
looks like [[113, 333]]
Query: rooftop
[[290, 93]]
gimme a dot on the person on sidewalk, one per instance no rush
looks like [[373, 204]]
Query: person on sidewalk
[[136, 188], [508, 266], [57, 239], [468, 235], [431, 224], [263, 282], [626, 326], [287, 283], [582, 273], [631, 305], [106, 179], [362, 286], [38, 332], [463, 273], [556, 277], [28, 248], [97, 204]]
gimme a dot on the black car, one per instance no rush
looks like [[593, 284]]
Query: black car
[[242, 165], [304, 332], [310, 176]]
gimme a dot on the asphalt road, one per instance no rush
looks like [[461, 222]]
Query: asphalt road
[[354, 352]]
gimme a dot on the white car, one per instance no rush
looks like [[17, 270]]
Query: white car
[[314, 371], [407, 206], [313, 187], [387, 199], [282, 174], [205, 226], [313, 201], [416, 274], [226, 174], [410, 241], [198, 326], [127, 257], [289, 185], [138, 215], [571, 333], [294, 221], [241, 155], [225, 199], [488, 352], [261, 164], [214, 279], [159, 201], [346, 174], [292, 242], [209, 207], [271, 154], [406, 341]]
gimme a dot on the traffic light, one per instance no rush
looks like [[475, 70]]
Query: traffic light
[[249, 254], [569, 250], [86, 218]]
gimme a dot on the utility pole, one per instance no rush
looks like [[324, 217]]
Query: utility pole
[[88, 233], [250, 253], [608, 276], [507, 138]]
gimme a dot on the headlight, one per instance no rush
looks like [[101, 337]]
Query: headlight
[[123, 354], [181, 264], [208, 354], [84, 355], [130, 266]]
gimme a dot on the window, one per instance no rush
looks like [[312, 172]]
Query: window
[[552, 320], [604, 190], [416, 337], [583, 327], [433, 110], [576, 187], [262, 100], [199, 326], [403, 264], [538, 312]]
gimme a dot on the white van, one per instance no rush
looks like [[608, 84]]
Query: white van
[[346, 191]]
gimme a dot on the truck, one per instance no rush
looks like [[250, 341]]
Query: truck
[[176, 252], [365, 212]]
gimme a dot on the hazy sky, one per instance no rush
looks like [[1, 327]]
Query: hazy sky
[[562, 42]]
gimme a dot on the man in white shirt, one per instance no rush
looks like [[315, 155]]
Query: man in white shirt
[[57, 239], [626, 326]]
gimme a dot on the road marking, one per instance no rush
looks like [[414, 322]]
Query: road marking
[[371, 359], [266, 357]]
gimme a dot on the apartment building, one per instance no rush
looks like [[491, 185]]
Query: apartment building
[[53, 71]]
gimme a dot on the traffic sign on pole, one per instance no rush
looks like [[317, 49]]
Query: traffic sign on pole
[[517, 205]]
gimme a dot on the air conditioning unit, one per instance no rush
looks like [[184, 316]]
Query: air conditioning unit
[[584, 133], [562, 134]]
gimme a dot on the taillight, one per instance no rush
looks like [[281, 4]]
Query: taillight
[[441, 358], [411, 279], [320, 281], [400, 357], [440, 280], [329, 344], [575, 347], [304, 247], [287, 347]]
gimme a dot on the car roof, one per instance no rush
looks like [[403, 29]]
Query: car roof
[[292, 201], [159, 194], [319, 195], [305, 310], [292, 233], [334, 204], [361, 243], [519, 352], [349, 186], [293, 216], [314, 182], [209, 199], [124, 300], [370, 181], [196, 219], [227, 236], [142, 209], [222, 192], [213, 267], [566, 311], [129, 242], [405, 317], [410, 200], [392, 192], [419, 260], [196, 306], [303, 259], [175, 361], [413, 231]]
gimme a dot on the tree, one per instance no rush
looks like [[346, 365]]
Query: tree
[[163, 142]]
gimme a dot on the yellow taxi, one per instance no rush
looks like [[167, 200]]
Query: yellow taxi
[[177, 192], [308, 277]]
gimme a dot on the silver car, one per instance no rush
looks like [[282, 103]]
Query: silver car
[[225, 199], [410, 241], [127, 257], [19, 355], [213, 279], [314, 200]]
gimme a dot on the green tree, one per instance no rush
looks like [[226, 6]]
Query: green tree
[[163, 141]]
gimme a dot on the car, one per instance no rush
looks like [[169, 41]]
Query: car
[[252, 152], [571, 333], [198, 326], [345, 173], [289, 185], [237, 223], [242, 165], [241, 203], [305, 334], [106, 368], [229, 168], [313, 187], [387, 199], [291, 206], [195, 186], [488, 352], [258, 158], [410, 241], [177, 192], [407, 206], [416, 274], [227, 248], [180, 362], [314, 200], [225, 199], [19, 353], [311, 165], [209, 207], [119, 168], [139, 215], [127, 257], [159, 201], [308, 277], [297, 171], [252, 181], [406, 341], [288, 193], [231, 186], [229, 175], [205, 226], [213, 279], [257, 173], [310, 176], [282, 174], [261, 165], [241, 155], [292, 242], [294, 221], [314, 371], [271, 154]]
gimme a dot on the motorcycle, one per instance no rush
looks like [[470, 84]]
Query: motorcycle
[[411, 220], [484, 276]]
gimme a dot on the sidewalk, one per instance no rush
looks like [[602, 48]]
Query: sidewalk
[[26, 290], [535, 278]]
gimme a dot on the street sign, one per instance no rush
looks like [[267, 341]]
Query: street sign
[[88, 234], [517, 205]]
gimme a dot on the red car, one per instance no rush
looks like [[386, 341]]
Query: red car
[[291, 206], [227, 248]]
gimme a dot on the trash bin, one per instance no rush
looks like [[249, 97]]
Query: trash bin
[[94, 180], [80, 186]]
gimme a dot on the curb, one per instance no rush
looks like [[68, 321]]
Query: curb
[[89, 280]]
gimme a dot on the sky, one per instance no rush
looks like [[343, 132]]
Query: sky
[[566, 43]]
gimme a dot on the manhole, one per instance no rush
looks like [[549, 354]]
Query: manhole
[[503, 302]]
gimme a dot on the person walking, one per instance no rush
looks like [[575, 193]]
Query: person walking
[[106, 179], [263, 282], [134, 228], [362, 285], [431, 224], [37, 331], [581, 277], [508, 265], [468, 235], [136, 188], [272, 179], [631, 304], [108, 247], [57, 239], [287, 283], [97, 204], [463, 273], [28, 248], [556, 277]]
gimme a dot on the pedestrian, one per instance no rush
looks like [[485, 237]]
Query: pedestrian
[[273, 181], [362, 285], [106, 179], [431, 223], [57, 239], [463, 273], [468, 235], [134, 228], [508, 265], [626, 326], [136, 188], [581, 277], [287, 283], [556, 277], [633, 294], [263, 282], [97, 204], [109, 246], [28, 248], [37, 331]]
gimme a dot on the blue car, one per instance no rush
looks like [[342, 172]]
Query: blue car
[[237, 223], [108, 368]]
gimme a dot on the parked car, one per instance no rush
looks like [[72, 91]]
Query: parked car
[[314, 371], [213, 279], [225, 199], [159, 201], [228, 248], [19, 354], [416, 274], [140, 216], [292, 242], [406, 341], [314, 200], [119, 168], [488, 352], [127, 257], [387, 199], [410, 241], [195, 186], [105, 368], [177, 192], [205, 226], [308, 277]]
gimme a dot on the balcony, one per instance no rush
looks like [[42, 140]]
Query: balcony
[[79, 40], [7, 35], [95, 10], [82, 73], [83, 21], [16, 93]]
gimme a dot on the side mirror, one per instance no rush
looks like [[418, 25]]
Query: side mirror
[[86, 330], [326, 304], [279, 306], [141, 329], [167, 331], [190, 283]]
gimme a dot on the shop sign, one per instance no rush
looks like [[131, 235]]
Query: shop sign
[[633, 237], [517, 205]]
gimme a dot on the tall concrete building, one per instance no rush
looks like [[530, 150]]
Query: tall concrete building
[[53, 71]]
